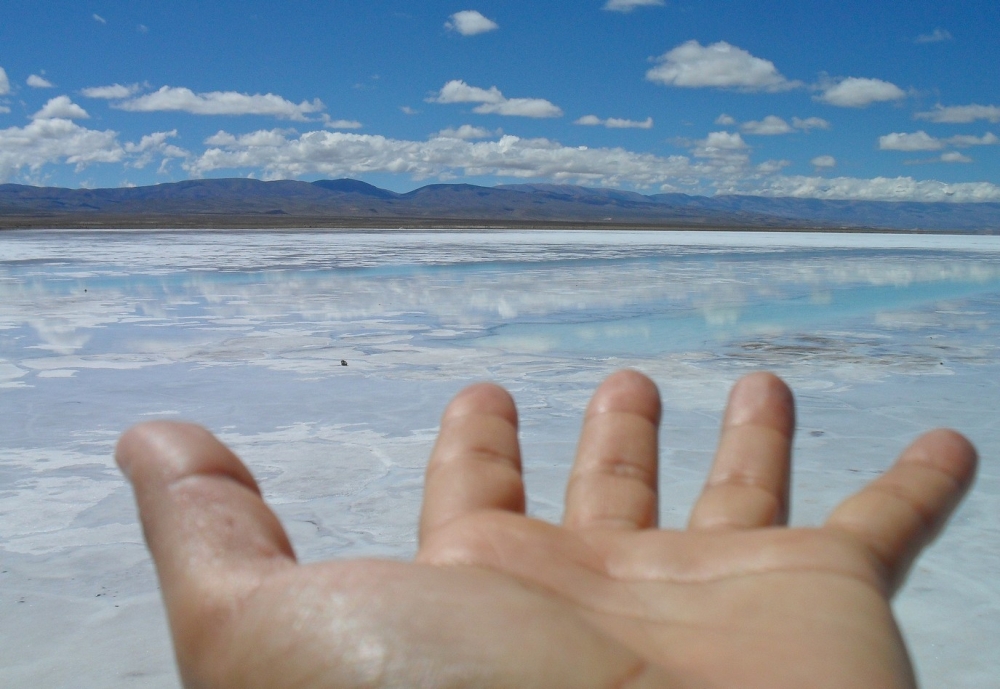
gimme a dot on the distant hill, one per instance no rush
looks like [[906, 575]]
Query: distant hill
[[351, 203]]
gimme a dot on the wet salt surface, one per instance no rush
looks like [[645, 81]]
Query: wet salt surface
[[881, 337]]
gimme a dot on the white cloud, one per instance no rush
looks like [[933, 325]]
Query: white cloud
[[407, 110], [153, 145], [823, 162], [457, 91], [113, 92], [492, 101], [769, 126], [4, 109], [856, 92], [726, 156], [621, 123], [470, 23], [58, 140], [917, 141], [725, 141], [955, 157], [45, 141], [878, 189], [467, 131], [773, 125], [936, 36], [629, 5], [280, 154], [719, 65], [179, 99], [331, 123], [771, 167], [99, 19], [615, 122], [961, 114], [61, 107], [520, 107], [963, 140], [4, 83], [810, 123], [37, 82]]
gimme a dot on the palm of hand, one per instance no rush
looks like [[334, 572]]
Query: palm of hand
[[499, 599]]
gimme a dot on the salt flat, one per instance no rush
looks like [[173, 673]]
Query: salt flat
[[880, 336]]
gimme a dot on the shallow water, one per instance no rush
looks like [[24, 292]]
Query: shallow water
[[881, 336]]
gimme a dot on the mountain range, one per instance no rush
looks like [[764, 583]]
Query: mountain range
[[237, 203]]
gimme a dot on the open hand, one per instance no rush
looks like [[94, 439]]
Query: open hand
[[498, 599]]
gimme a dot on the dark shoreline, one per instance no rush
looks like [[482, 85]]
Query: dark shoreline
[[210, 222]]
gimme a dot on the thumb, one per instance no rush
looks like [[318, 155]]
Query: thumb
[[211, 536]]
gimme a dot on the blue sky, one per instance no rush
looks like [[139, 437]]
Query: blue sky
[[848, 99]]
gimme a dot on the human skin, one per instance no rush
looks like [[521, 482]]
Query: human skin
[[606, 600]]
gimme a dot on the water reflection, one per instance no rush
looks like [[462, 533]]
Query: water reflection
[[589, 299]]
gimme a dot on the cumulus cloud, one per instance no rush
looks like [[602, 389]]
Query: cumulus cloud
[[856, 92], [4, 83], [153, 145], [615, 122], [770, 167], [719, 163], [37, 82], [773, 125], [769, 126], [960, 114], [331, 123], [723, 141], [113, 92], [520, 107], [281, 154], [45, 141], [629, 5], [179, 99], [719, 65], [492, 101], [467, 131], [726, 159], [935, 36], [61, 107], [457, 91], [917, 141], [810, 123], [963, 140], [589, 121], [470, 23], [878, 189], [922, 141], [955, 157]]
